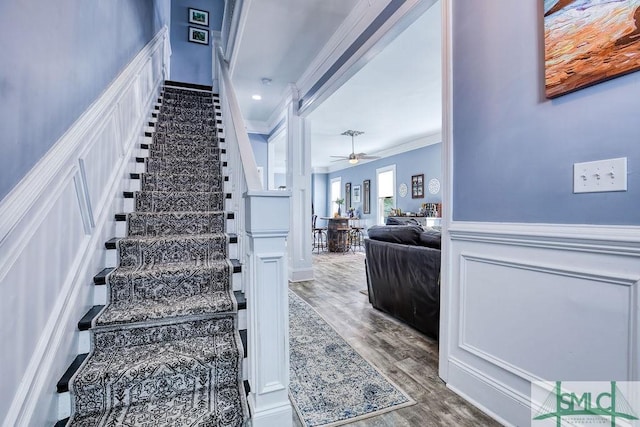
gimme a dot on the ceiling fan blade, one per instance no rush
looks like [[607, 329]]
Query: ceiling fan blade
[[367, 157], [341, 157]]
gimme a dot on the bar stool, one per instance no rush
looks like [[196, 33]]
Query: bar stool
[[356, 235], [319, 235]]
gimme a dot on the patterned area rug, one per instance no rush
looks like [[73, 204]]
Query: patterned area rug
[[165, 349], [331, 384]]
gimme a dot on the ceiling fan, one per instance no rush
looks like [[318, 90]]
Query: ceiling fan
[[354, 157]]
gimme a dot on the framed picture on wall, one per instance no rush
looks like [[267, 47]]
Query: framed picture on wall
[[356, 194], [198, 35], [198, 17], [366, 196], [347, 196], [417, 186]]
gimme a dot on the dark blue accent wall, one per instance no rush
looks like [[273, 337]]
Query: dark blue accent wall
[[426, 160], [514, 149], [191, 62], [57, 58]]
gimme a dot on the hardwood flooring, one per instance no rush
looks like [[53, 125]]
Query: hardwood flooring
[[407, 357]]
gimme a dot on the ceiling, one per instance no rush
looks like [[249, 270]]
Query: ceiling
[[395, 99]]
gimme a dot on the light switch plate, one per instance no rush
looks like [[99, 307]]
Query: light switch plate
[[600, 176]]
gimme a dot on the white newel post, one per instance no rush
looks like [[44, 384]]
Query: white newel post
[[299, 182], [267, 226]]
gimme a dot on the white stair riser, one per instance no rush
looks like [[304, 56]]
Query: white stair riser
[[129, 204], [100, 295], [242, 319], [64, 405], [84, 341], [231, 226], [236, 281], [135, 185]]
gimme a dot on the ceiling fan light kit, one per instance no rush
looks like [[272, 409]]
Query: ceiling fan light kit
[[354, 158]]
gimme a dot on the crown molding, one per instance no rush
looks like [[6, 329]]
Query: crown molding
[[256, 126], [320, 170]]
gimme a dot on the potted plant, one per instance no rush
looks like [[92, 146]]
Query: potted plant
[[339, 202]]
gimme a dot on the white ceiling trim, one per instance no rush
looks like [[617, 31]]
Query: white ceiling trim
[[244, 6], [420, 142], [355, 23], [404, 15]]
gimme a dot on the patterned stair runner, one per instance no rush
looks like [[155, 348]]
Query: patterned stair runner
[[166, 350]]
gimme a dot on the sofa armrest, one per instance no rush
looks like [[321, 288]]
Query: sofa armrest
[[403, 280]]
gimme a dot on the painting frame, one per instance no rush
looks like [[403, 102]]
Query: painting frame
[[356, 194], [347, 196], [199, 35], [584, 46], [198, 17], [417, 186], [366, 196]]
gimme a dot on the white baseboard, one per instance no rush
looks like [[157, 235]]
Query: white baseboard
[[300, 275], [54, 224]]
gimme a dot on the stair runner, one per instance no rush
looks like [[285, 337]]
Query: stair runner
[[166, 349]]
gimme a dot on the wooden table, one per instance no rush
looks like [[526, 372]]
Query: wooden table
[[337, 234]]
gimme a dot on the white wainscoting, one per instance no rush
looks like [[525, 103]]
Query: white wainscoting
[[533, 302], [53, 226]]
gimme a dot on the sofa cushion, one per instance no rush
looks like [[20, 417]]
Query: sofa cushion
[[392, 220], [404, 234], [431, 239]]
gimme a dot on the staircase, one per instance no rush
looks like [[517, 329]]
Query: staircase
[[166, 347]]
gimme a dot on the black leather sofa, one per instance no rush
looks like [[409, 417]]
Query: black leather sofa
[[403, 274]]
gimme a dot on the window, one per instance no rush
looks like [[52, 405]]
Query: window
[[386, 184], [336, 193]]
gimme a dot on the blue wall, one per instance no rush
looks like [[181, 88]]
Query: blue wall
[[259, 144], [191, 62], [319, 193], [425, 160], [513, 149], [57, 58]]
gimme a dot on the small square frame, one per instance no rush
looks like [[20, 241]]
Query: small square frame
[[356, 194], [417, 186], [199, 35], [198, 17]]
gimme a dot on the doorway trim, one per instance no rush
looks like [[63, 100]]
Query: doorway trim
[[447, 188]]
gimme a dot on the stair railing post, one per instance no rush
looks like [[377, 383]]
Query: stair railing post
[[263, 227], [267, 227]]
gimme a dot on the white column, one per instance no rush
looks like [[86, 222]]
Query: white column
[[267, 226], [299, 182]]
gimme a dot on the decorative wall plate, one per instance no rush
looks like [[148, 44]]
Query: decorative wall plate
[[434, 186], [402, 190]]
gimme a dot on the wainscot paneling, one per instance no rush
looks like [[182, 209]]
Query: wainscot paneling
[[538, 302], [53, 226]]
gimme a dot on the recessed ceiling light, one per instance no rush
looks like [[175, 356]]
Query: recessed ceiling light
[[256, 97]]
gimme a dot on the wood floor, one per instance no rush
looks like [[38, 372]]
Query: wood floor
[[407, 357]]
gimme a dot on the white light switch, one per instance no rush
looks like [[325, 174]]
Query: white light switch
[[601, 175]]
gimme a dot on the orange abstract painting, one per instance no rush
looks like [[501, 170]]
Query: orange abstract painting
[[589, 41]]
